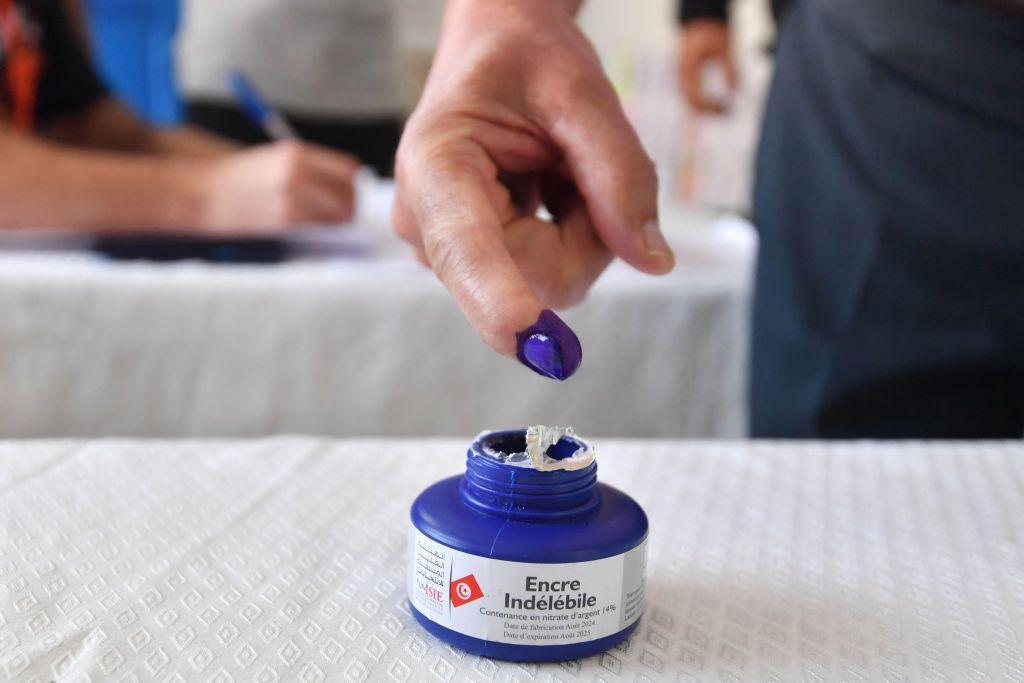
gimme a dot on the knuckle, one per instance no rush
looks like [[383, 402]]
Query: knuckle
[[647, 170], [292, 151], [460, 265], [448, 256], [291, 181], [444, 156], [580, 85], [290, 210]]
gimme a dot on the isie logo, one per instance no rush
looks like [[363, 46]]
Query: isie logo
[[465, 590]]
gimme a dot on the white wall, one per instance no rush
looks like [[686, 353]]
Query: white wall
[[613, 26], [651, 24]]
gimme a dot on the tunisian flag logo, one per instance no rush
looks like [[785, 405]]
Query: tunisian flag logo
[[465, 590]]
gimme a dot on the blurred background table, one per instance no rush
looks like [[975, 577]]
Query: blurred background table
[[284, 559], [359, 346]]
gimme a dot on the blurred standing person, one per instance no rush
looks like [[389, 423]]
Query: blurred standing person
[[330, 66], [705, 41], [888, 203], [888, 200]]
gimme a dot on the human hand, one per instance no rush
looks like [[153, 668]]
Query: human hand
[[275, 187], [517, 113], [704, 42]]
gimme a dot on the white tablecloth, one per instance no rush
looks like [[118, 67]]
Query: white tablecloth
[[371, 347], [283, 559]]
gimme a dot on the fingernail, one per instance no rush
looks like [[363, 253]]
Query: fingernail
[[549, 347], [654, 241]]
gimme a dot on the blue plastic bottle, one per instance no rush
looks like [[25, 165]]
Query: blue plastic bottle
[[511, 562]]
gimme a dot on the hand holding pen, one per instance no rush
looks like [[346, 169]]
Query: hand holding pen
[[284, 184], [278, 186], [259, 110]]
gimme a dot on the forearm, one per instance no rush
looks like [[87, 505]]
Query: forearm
[[465, 19], [108, 125], [190, 142], [476, 33], [47, 186]]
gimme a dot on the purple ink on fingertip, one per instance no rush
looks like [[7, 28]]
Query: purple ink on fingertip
[[549, 347]]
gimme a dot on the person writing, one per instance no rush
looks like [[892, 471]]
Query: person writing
[[340, 89], [887, 199], [74, 157]]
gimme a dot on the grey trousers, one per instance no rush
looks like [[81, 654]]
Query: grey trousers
[[889, 199]]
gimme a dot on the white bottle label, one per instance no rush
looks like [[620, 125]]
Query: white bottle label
[[525, 603]]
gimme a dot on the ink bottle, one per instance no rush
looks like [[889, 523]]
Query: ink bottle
[[526, 556]]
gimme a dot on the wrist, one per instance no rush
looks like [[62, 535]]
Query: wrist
[[186, 206], [703, 25], [697, 10], [571, 7], [503, 30]]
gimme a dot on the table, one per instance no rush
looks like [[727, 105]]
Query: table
[[357, 347], [283, 559]]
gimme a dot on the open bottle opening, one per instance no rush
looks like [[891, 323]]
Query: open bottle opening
[[538, 447]]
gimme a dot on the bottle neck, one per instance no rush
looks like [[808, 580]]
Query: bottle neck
[[512, 490]]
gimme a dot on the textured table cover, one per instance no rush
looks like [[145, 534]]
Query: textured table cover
[[283, 559], [353, 348]]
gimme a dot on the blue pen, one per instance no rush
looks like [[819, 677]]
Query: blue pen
[[257, 109]]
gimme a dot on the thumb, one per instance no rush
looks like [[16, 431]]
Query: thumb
[[614, 174]]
